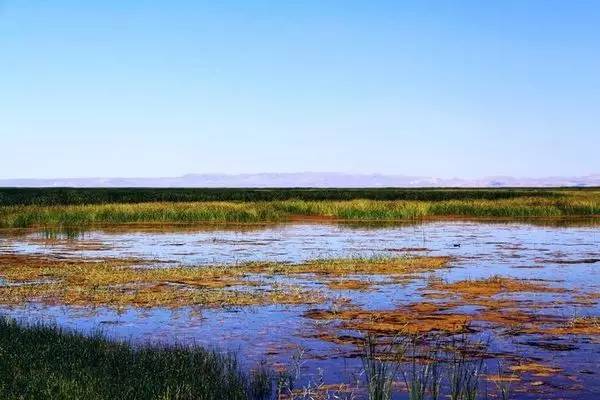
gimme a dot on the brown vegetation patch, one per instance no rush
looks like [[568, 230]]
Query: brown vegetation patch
[[349, 284], [337, 339], [120, 283], [395, 321], [517, 318], [354, 266], [578, 326], [448, 323], [154, 295], [429, 307], [470, 289], [517, 315], [586, 299], [502, 378], [535, 369], [117, 282]]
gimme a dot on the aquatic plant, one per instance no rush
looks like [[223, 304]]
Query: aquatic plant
[[503, 381], [43, 362], [124, 282], [431, 366], [464, 371], [423, 377], [261, 382], [379, 372]]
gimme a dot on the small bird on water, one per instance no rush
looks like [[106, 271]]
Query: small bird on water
[[456, 245]]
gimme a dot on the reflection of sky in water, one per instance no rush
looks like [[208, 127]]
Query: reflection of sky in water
[[296, 242], [485, 250]]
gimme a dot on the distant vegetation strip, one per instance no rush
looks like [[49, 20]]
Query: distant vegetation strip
[[573, 203], [74, 196], [45, 362]]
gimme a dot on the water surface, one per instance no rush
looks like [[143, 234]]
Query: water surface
[[562, 256]]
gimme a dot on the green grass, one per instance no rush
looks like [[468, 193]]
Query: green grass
[[556, 203], [43, 362], [72, 196]]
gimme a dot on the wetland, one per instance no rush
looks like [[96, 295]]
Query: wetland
[[517, 301]]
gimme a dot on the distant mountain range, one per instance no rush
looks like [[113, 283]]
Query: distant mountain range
[[305, 179]]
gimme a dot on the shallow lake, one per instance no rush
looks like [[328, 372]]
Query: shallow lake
[[560, 256]]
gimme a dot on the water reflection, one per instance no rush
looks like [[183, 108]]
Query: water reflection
[[562, 253]]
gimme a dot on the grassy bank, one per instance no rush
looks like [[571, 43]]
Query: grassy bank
[[74, 196], [41, 362], [566, 203]]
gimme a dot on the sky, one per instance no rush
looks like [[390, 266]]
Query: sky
[[425, 88]]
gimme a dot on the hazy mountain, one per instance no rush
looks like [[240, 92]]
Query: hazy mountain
[[304, 179]]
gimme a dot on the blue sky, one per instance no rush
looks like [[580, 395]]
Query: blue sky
[[164, 88]]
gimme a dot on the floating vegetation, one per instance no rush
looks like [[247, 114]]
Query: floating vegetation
[[492, 286], [354, 266], [517, 315], [119, 283], [394, 321], [535, 369], [589, 325], [348, 284]]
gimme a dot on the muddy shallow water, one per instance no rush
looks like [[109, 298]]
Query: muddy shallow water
[[563, 257]]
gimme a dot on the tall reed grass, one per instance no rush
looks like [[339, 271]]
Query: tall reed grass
[[582, 204], [73, 196]]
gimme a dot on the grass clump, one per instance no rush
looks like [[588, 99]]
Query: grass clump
[[44, 362]]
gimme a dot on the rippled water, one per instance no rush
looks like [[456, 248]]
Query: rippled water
[[565, 256]]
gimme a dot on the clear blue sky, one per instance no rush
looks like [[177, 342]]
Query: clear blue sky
[[164, 88]]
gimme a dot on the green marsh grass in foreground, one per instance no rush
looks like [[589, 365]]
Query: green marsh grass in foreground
[[564, 203], [47, 362], [43, 362]]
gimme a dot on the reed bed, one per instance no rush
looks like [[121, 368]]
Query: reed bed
[[46, 362], [73, 196], [584, 203]]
